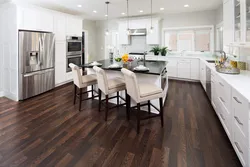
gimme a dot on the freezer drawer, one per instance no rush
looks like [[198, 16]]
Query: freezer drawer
[[35, 83]]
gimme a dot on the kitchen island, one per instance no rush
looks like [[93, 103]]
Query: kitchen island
[[156, 74]]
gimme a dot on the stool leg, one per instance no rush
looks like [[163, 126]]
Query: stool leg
[[80, 99], [100, 99], [92, 91], [161, 111], [107, 107], [117, 98], [149, 109], [128, 106], [138, 117], [75, 91]]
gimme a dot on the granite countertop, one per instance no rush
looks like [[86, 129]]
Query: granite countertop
[[155, 67]]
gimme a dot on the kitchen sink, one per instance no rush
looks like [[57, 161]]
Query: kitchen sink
[[211, 61], [224, 70]]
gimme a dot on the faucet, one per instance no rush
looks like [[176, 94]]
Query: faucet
[[144, 58], [223, 57], [182, 52]]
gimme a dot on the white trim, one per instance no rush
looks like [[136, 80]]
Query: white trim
[[212, 37], [63, 83]]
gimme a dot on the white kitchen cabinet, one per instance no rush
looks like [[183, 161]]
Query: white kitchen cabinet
[[73, 26], [172, 67], [195, 69], [228, 23], [60, 27], [214, 95], [35, 19], [153, 38], [138, 24], [124, 38], [60, 62], [203, 74], [184, 69]]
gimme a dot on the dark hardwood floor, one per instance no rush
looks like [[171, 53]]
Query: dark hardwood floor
[[48, 130]]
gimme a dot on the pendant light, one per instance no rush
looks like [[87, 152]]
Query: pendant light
[[107, 15], [151, 28], [128, 30]]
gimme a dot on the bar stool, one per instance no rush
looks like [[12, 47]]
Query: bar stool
[[108, 87], [82, 82], [142, 92]]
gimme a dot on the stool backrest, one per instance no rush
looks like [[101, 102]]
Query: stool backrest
[[77, 77], [102, 80], [131, 84]]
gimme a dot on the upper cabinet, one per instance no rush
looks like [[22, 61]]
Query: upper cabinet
[[60, 27], [236, 21], [153, 38], [33, 19], [74, 26], [124, 38]]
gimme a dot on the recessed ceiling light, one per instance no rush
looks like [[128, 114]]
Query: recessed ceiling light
[[123, 13], [94, 11], [106, 15], [161, 8], [186, 6], [79, 6], [141, 11]]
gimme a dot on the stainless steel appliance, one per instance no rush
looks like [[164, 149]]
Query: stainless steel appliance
[[208, 83], [74, 45], [36, 63], [164, 78], [138, 32], [77, 60]]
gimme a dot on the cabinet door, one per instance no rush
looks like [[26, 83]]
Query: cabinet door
[[60, 27], [46, 22], [30, 19], [228, 22], [195, 66], [124, 38], [73, 26], [60, 62], [172, 67], [184, 67]]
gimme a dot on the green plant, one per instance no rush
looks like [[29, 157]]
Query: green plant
[[156, 50], [164, 51]]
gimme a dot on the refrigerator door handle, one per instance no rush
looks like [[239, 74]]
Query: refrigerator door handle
[[38, 72]]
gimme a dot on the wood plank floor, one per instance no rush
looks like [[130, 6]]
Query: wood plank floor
[[48, 130]]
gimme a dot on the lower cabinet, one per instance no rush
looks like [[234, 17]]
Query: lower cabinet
[[184, 69]]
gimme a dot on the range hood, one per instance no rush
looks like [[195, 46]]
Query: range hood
[[138, 32]]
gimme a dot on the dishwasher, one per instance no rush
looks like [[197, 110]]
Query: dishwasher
[[208, 83]]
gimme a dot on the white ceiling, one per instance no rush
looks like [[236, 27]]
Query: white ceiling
[[116, 7]]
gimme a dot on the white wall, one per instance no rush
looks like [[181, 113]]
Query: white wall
[[9, 49], [90, 27], [219, 15]]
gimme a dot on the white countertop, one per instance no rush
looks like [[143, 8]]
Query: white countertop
[[240, 82]]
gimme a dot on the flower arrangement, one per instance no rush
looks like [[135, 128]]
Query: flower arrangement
[[125, 58]]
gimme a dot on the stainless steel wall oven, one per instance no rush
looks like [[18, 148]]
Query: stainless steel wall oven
[[74, 45]]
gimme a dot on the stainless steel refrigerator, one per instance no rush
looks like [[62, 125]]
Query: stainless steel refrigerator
[[36, 63]]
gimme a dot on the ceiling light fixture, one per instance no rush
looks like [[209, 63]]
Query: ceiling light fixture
[[79, 6], [107, 15], [151, 28], [123, 13], [94, 11], [128, 30], [161, 8], [141, 11], [186, 6]]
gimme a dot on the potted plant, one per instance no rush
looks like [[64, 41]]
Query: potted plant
[[164, 51], [156, 50]]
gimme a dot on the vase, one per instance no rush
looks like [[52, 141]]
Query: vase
[[125, 65]]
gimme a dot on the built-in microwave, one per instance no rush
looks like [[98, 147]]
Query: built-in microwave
[[74, 45]]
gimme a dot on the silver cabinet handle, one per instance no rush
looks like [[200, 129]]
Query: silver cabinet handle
[[238, 120], [222, 117], [221, 84], [238, 147], [222, 100], [236, 99]]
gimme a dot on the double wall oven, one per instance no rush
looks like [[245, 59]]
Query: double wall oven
[[74, 51]]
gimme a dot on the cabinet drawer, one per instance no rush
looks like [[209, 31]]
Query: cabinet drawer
[[239, 144], [240, 111], [224, 92]]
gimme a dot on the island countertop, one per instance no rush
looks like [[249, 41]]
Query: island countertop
[[155, 67]]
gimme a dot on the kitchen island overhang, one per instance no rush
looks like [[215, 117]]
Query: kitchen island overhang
[[157, 75]]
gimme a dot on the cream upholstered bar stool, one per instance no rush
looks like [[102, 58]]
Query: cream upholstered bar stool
[[143, 92], [108, 87], [82, 82]]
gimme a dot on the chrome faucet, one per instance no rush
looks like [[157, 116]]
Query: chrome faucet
[[182, 52], [144, 58], [223, 56]]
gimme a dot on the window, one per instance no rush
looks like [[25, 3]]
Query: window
[[188, 40]]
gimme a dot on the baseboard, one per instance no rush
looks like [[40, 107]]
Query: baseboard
[[181, 79], [63, 83]]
